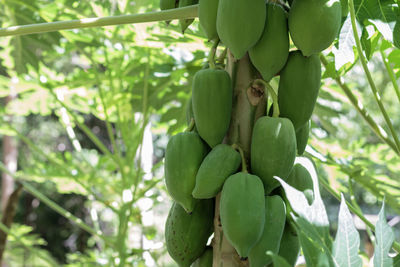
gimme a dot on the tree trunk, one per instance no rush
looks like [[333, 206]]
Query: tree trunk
[[248, 105], [10, 154], [9, 197]]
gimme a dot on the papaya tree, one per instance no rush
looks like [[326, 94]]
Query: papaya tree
[[244, 180]]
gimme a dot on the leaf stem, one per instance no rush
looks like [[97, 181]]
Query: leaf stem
[[244, 165], [391, 74], [191, 126], [211, 56], [273, 95], [54, 206], [379, 131], [369, 76], [176, 13]]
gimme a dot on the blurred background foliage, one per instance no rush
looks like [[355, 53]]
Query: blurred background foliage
[[93, 112]]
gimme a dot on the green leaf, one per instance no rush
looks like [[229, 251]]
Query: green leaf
[[347, 242], [396, 261], [311, 220], [382, 14], [396, 34], [384, 239], [345, 54], [314, 213]]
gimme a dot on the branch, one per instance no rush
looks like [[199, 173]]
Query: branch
[[375, 92], [177, 13], [379, 131]]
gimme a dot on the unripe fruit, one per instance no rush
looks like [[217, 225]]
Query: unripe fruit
[[298, 87], [217, 166], [212, 104], [208, 17], [270, 53], [205, 260], [186, 235], [183, 156], [290, 245], [275, 217], [273, 150], [302, 138], [242, 211], [240, 24], [314, 24]]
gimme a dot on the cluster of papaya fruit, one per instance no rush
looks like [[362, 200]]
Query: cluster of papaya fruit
[[199, 164]]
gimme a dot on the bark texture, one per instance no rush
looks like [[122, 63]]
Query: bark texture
[[248, 105]]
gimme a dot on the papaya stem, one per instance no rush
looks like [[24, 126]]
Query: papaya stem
[[213, 51], [244, 165], [191, 126], [273, 95], [222, 57]]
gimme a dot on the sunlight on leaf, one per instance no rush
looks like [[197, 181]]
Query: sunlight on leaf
[[347, 242], [384, 240]]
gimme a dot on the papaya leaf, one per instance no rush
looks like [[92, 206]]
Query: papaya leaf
[[384, 239], [316, 213], [278, 260], [396, 261], [396, 34], [347, 242], [345, 53], [316, 247], [382, 14]]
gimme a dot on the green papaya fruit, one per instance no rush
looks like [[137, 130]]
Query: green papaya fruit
[[186, 235], [290, 245], [212, 104], [167, 4], [314, 24], [298, 87], [270, 53], [217, 166], [300, 179], [240, 24], [302, 137], [242, 211], [275, 217], [208, 17], [183, 157], [185, 23], [205, 260], [273, 150]]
